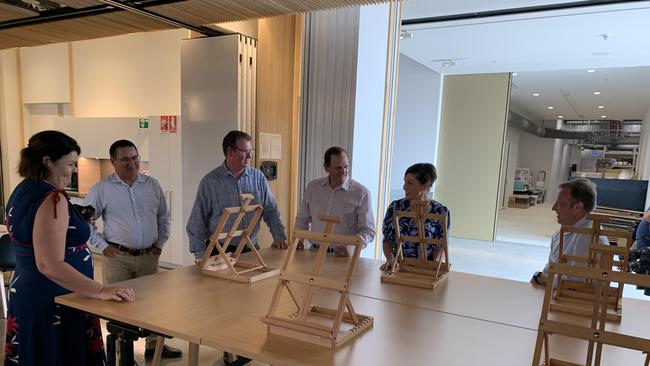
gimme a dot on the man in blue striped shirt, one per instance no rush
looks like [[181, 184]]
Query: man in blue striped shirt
[[221, 188]]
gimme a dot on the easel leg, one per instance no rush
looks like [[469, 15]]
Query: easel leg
[[193, 355]]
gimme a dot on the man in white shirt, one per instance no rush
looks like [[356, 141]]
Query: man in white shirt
[[337, 195], [574, 201]]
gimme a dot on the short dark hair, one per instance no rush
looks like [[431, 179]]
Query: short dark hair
[[54, 144], [112, 151], [334, 150], [582, 190], [231, 138], [423, 172]]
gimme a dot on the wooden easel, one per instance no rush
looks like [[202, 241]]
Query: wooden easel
[[576, 297], [312, 323], [595, 334], [228, 265], [419, 272]]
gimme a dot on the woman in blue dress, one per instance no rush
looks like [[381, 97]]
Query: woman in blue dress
[[52, 259], [418, 180]]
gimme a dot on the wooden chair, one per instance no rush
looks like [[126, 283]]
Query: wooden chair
[[576, 297], [419, 272], [312, 323], [228, 265], [595, 334]]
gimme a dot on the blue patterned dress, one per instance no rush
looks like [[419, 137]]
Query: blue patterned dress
[[40, 332], [409, 227]]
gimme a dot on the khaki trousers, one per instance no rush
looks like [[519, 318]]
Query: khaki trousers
[[124, 267]]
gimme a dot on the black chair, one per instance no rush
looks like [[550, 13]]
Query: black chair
[[7, 254]]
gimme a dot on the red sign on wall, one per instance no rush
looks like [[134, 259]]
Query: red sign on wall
[[168, 124]]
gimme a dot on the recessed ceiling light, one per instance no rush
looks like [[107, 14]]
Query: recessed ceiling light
[[550, 107], [591, 70], [601, 106], [514, 74], [536, 94], [596, 93], [560, 116], [603, 116]]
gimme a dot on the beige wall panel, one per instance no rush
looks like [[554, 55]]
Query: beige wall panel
[[132, 75], [472, 130], [275, 103], [45, 74], [11, 127]]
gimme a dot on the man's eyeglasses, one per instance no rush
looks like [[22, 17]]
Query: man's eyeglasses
[[246, 152], [126, 159]]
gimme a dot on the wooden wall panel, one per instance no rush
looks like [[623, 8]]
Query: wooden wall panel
[[276, 103]]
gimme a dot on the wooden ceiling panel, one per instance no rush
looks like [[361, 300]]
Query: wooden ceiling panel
[[78, 4], [193, 12], [10, 12]]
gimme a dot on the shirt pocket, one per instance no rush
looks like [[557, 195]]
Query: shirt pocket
[[349, 212]]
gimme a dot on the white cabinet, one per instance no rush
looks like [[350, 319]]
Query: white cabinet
[[95, 135]]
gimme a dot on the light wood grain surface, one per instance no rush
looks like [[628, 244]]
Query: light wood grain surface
[[469, 320]]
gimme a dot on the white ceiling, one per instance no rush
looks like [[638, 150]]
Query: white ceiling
[[550, 51]]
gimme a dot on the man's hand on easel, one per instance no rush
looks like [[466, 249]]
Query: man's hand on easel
[[280, 244]]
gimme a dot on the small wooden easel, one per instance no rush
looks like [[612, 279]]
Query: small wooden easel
[[419, 272], [227, 265], [576, 297], [311, 323], [595, 334]]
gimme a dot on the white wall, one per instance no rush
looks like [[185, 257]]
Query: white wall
[[369, 103], [419, 93], [510, 163], [536, 153]]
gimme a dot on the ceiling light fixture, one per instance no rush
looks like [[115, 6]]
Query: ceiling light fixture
[[536, 94], [448, 63], [550, 107], [596, 93], [605, 36], [591, 70], [601, 106], [603, 116], [514, 74], [560, 116], [405, 35]]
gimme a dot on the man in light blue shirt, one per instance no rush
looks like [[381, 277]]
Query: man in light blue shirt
[[337, 195], [133, 209], [574, 201], [221, 188]]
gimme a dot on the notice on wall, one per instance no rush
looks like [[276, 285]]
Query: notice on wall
[[264, 147], [276, 146], [168, 124], [270, 146]]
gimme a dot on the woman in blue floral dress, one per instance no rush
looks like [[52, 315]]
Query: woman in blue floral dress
[[52, 259], [418, 180]]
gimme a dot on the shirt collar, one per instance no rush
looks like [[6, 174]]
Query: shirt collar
[[325, 182], [223, 171], [583, 222], [116, 178]]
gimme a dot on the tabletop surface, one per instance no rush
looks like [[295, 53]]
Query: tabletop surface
[[467, 320]]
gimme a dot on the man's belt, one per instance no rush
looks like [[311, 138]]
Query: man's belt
[[131, 251]]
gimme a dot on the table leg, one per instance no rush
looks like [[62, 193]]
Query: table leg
[[193, 355], [157, 355]]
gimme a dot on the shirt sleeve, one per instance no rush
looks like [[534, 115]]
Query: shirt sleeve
[[365, 220], [163, 219], [199, 221], [93, 198], [303, 218], [271, 214]]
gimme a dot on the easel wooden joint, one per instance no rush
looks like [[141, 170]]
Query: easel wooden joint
[[229, 265], [419, 272], [311, 323]]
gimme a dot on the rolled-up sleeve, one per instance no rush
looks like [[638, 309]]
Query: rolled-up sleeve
[[365, 220], [96, 239], [271, 214], [163, 219], [198, 222], [303, 218]]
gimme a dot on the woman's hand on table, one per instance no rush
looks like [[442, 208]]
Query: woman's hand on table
[[116, 294]]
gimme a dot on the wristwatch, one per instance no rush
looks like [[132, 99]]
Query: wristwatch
[[536, 277]]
